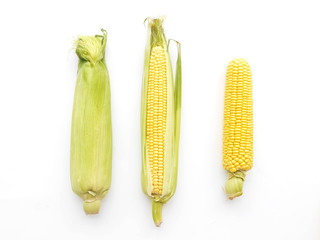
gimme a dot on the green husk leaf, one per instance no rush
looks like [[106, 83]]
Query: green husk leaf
[[178, 83]]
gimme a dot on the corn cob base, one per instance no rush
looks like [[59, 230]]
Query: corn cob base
[[91, 207], [234, 184]]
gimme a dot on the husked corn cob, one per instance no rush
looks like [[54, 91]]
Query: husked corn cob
[[160, 120], [238, 125], [156, 116], [91, 134]]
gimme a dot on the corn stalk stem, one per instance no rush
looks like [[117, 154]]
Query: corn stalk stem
[[157, 213], [91, 207]]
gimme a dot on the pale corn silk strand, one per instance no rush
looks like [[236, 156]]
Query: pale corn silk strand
[[156, 117]]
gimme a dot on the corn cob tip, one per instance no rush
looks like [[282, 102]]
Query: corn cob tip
[[91, 48], [157, 32], [234, 184], [91, 207], [157, 213], [153, 21]]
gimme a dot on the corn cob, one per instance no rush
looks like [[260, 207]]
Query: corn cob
[[91, 133], [160, 120], [238, 126]]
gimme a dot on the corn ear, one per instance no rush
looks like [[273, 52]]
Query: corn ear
[[91, 133], [160, 120], [238, 125]]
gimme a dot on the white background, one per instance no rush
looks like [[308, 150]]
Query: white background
[[281, 41]]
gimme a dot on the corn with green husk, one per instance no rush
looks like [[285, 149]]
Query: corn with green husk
[[238, 126], [160, 120], [91, 133]]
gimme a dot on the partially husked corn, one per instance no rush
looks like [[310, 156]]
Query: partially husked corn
[[160, 120], [238, 125]]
